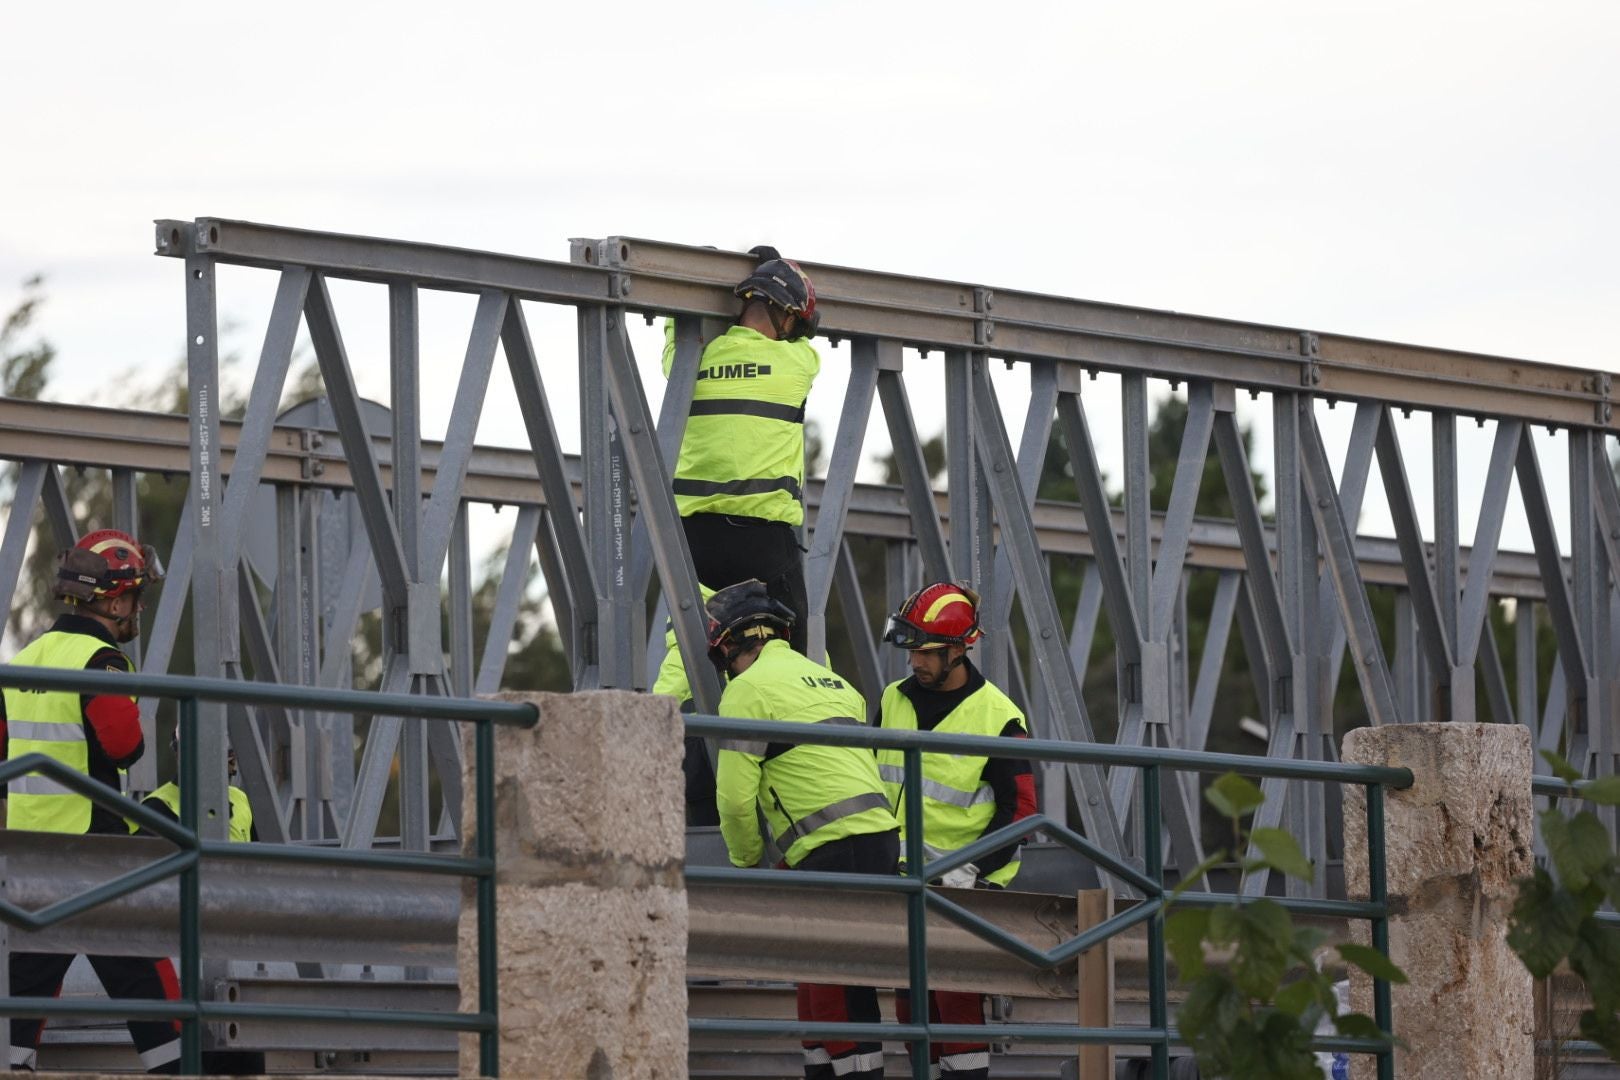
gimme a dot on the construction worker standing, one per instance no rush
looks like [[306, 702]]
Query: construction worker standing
[[964, 796], [100, 584], [739, 480], [825, 804]]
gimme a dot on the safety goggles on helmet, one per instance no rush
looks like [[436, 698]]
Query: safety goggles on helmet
[[901, 633], [935, 616]]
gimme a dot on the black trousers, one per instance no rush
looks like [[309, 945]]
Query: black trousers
[[41, 974], [727, 550], [868, 853]]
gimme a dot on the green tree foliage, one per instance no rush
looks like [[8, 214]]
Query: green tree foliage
[[1255, 1016], [24, 361], [25, 364], [1555, 916]]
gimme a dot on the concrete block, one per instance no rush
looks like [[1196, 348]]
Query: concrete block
[[591, 919], [1455, 843]]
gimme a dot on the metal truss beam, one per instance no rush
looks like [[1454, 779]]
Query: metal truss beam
[[668, 278], [147, 442]]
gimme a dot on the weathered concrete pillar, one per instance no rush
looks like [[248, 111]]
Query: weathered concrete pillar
[[591, 902], [1455, 840]]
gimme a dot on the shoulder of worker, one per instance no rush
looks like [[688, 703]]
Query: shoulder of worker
[[892, 690], [990, 693], [743, 343], [780, 666]]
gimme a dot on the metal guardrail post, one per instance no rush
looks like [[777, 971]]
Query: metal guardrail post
[[1153, 859], [489, 1050], [917, 915], [190, 895], [1377, 893]]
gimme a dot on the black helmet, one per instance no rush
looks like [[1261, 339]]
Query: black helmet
[[782, 283], [741, 612]]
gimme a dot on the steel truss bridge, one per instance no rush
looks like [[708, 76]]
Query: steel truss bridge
[[1294, 587], [602, 524]]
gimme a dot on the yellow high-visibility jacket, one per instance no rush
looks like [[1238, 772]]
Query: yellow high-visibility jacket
[[810, 794], [743, 450]]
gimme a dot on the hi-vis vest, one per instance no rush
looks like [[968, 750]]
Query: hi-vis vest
[[957, 803], [241, 810], [50, 722], [672, 678], [743, 451], [811, 795]]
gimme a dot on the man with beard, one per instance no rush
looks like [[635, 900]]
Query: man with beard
[[965, 796]]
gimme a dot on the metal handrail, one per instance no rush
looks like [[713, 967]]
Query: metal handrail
[[1158, 1035], [190, 1009]]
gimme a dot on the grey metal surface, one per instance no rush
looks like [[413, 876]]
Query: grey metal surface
[[250, 910]]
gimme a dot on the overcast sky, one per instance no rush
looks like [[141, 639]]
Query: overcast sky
[[1444, 173]]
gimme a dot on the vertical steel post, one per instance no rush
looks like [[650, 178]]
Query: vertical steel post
[[961, 471], [1137, 678], [406, 474], [213, 598], [190, 893], [489, 1000], [1590, 580], [1378, 894], [142, 776], [901, 579], [916, 913], [820, 564], [1153, 866], [1458, 705], [1296, 584], [607, 520], [1524, 664]]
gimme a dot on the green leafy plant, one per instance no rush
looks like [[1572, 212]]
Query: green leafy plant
[[1555, 918], [1254, 1017]]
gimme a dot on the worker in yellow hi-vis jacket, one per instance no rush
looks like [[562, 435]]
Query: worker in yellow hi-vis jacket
[[739, 479], [825, 805]]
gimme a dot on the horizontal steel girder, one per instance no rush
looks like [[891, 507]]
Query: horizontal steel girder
[[834, 936], [83, 435], [651, 276], [276, 912]]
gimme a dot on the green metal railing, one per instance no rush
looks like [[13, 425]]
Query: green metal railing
[[1158, 1036], [191, 1010]]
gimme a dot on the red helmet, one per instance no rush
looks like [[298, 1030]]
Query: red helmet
[[935, 616], [104, 564]]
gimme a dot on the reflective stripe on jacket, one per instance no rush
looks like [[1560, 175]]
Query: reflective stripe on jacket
[[50, 722], [957, 802], [743, 450], [241, 810], [811, 795]]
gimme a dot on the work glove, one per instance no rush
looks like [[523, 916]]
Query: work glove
[[763, 253], [963, 877]]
